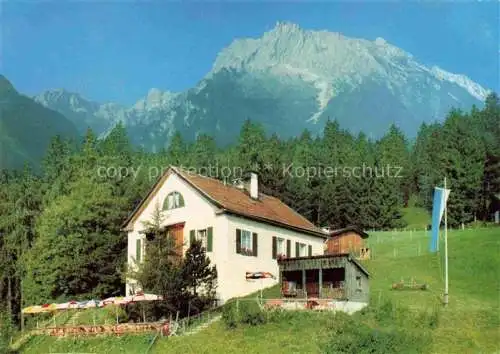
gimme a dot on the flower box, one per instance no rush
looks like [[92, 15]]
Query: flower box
[[246, 251]]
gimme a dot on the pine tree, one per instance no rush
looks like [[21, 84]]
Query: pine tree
[[202, 154], [6, 330], [251, 143], [489, 126], [388, 184], [200, 276], [271, 177], [187, 283], [20, 205], [299, 189], [176, 151], [116, 144], [461, 160]]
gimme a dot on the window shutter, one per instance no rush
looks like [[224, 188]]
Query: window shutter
[[275, 246], [288, 249], [310, 251], [210, 232], [238, 241], [254, 244], [297, 249], [181, 200], [138, 250], [192, 237]]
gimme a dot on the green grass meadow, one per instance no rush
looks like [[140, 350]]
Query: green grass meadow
[[469, 324]]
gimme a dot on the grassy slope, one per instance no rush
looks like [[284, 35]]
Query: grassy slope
[[469, 324], [471, 321]]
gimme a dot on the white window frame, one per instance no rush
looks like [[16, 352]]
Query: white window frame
[[171, 201], [246, 241], [280, 246], [302, 250], [202, 235]]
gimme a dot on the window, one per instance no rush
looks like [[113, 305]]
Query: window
[[280, 247], [203, 235], [300, 249], [246, 243], [173, 200], [358, 281]]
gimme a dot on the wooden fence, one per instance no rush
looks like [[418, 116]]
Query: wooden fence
[[117, 329], [164, 328]]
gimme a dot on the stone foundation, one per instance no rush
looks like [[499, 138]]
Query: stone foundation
[[349, 307]]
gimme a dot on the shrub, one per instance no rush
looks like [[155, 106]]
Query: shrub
[[251, 313], [243, 312], [279, 314], [229, 315]]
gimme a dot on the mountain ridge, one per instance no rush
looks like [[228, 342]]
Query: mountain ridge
[[326, 39], [288, 76], [27, 127]]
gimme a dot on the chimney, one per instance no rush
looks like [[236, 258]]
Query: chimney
[[254, 186]]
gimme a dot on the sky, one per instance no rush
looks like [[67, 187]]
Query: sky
[[117, 51]]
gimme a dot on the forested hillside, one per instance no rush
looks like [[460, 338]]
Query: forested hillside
[[26, 128], [60, 230]]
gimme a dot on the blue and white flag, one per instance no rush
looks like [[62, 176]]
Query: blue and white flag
[[439, 204]]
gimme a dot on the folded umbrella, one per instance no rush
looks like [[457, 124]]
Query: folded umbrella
[[258, 275]]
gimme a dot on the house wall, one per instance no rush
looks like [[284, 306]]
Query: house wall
[[235, 265], [198, 213], [344, 243], [355, 292]]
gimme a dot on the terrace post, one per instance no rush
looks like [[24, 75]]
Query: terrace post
[[320, 281], [280, 279], [304, 281]]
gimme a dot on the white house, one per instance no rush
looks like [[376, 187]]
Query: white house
[[242, 230]]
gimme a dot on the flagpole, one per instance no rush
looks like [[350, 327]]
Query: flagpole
[[445, 250]]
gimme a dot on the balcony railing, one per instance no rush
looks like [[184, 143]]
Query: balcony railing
[[326, 293]]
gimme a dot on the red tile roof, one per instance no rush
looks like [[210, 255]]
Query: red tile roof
[[231, 199]]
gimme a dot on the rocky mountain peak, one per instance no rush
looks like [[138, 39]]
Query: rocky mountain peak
[[290, 79], [155, 98]]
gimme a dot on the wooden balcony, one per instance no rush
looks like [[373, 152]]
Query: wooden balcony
[[312, 291]]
